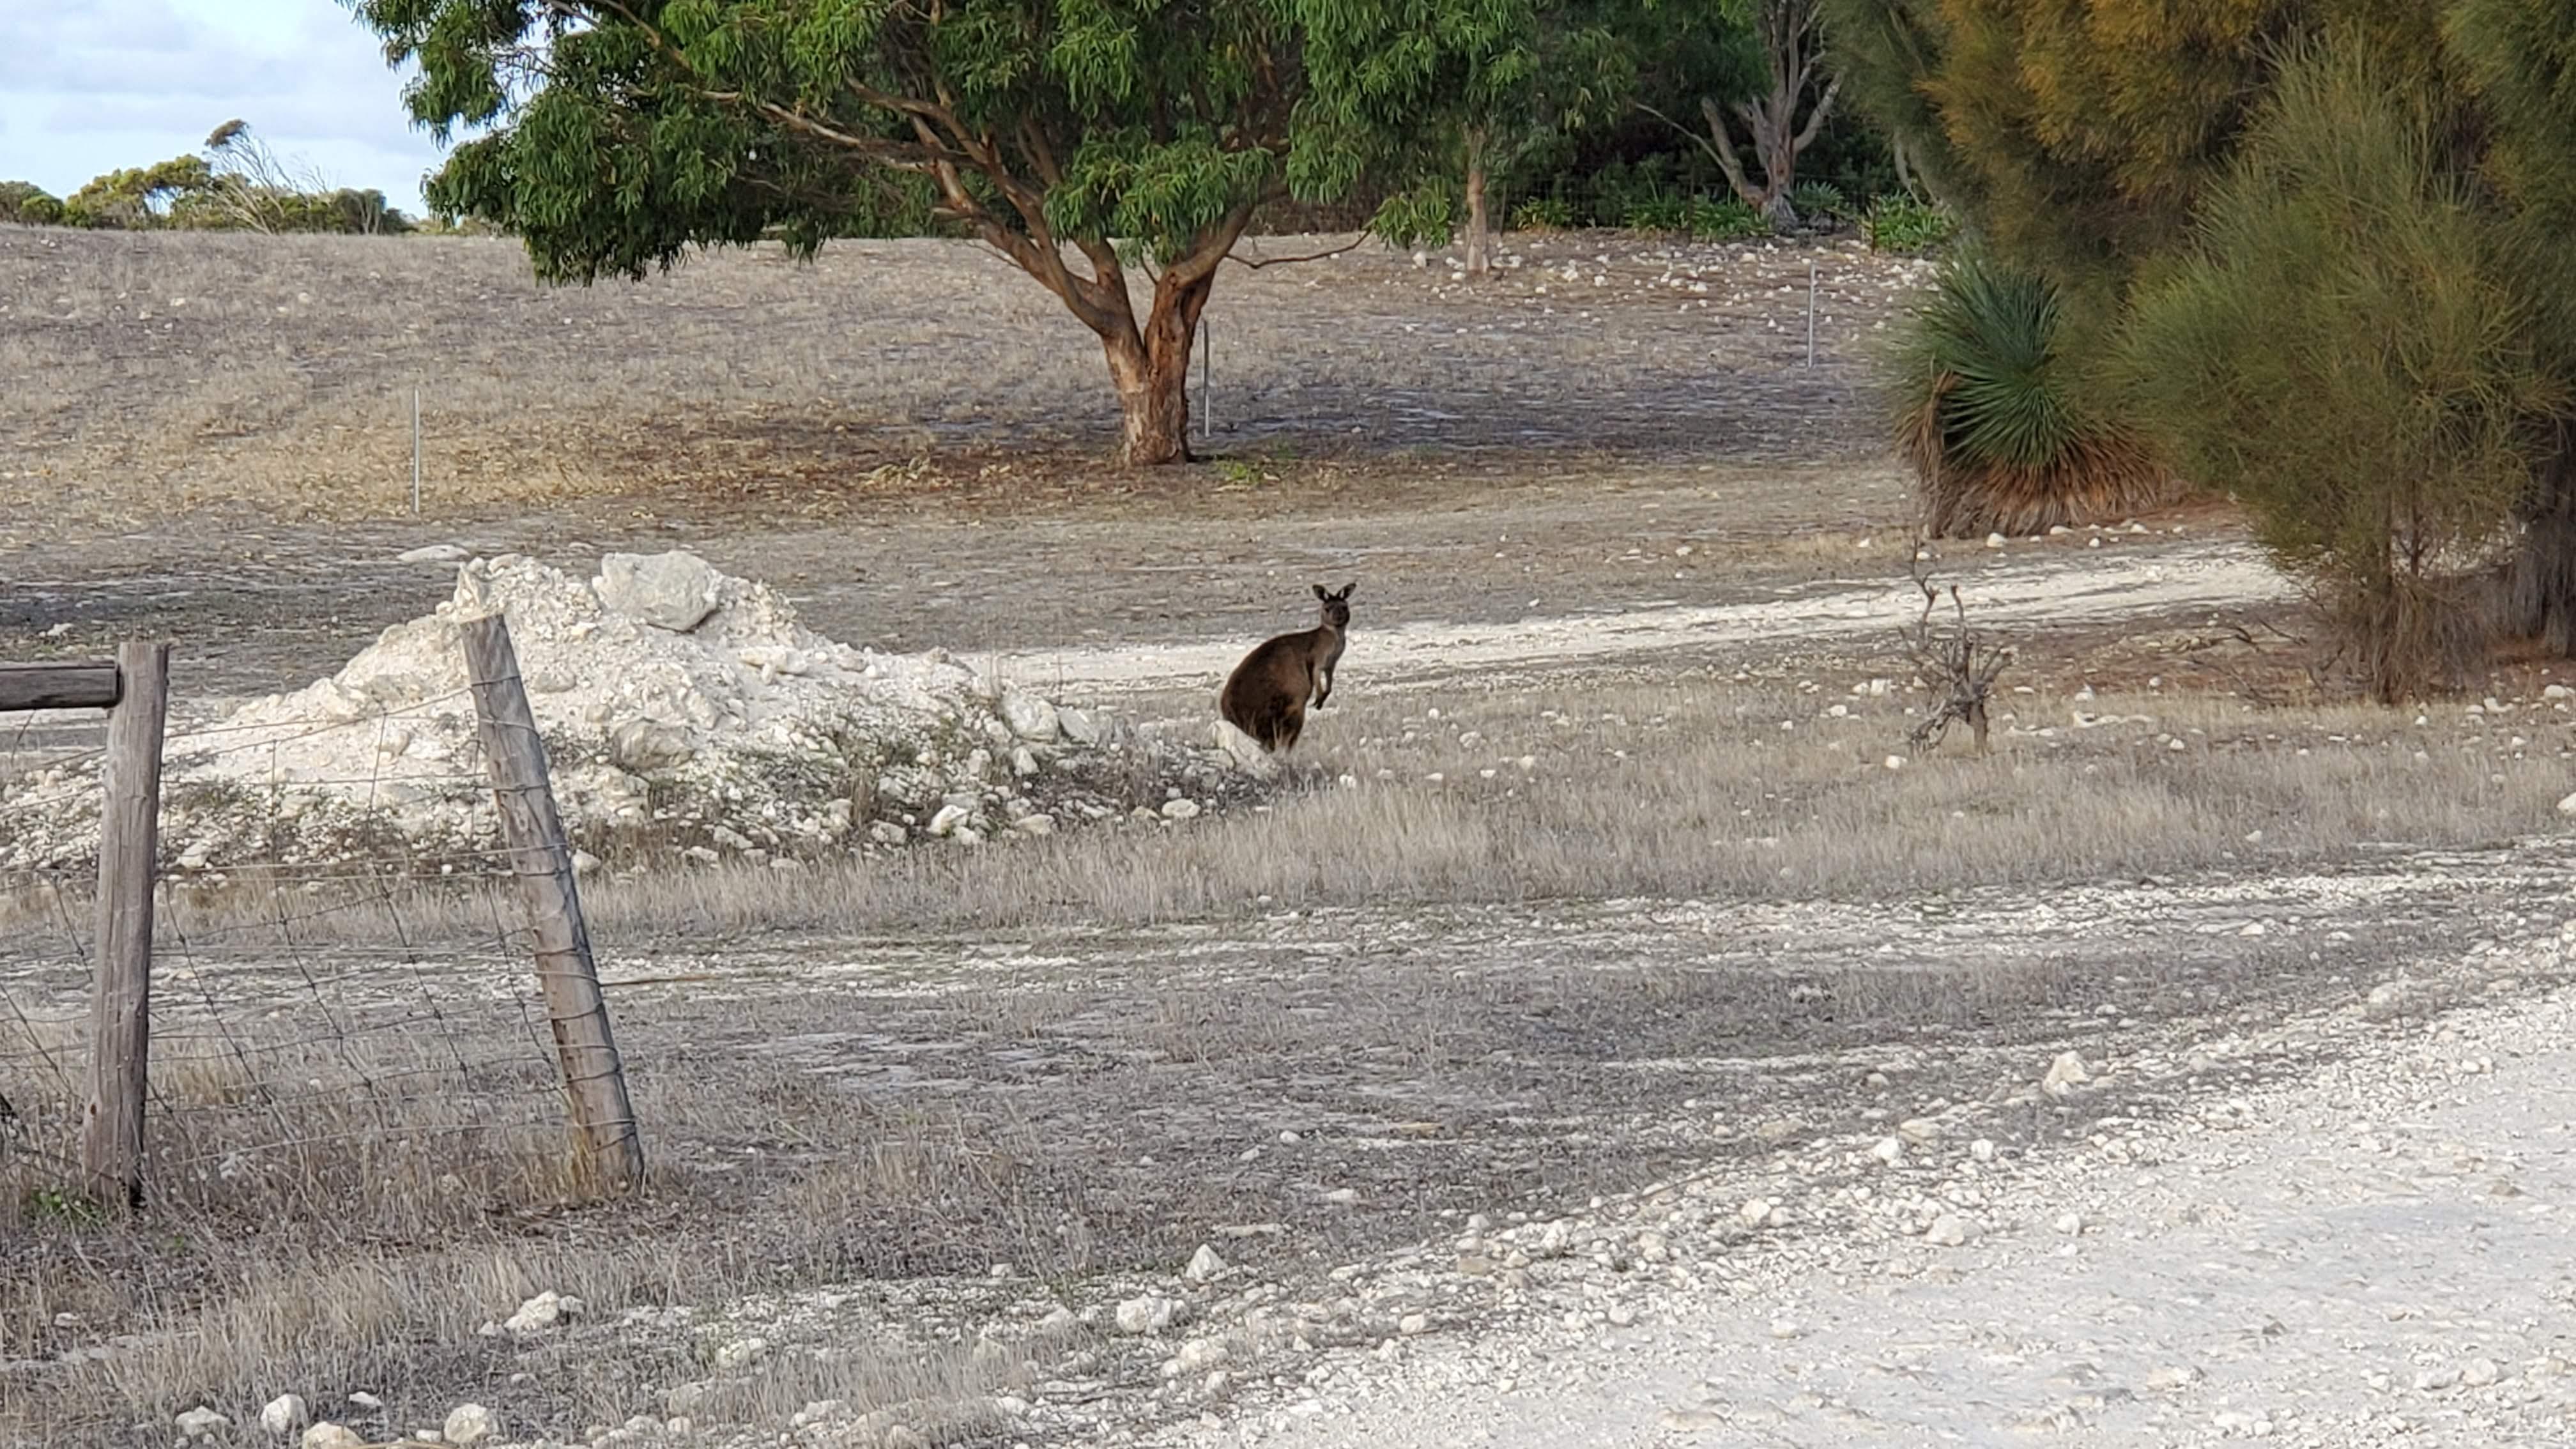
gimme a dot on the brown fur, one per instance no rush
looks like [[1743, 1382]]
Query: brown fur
[[1267, 694]]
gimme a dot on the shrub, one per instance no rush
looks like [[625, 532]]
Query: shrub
[[1899, 223], [1819, 201], [1989, 415], [28, 204], [2345, 349], [1656, 213], [1722, 219], [1543, 213]]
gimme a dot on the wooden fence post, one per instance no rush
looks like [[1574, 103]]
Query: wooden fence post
[[594, 1077], [129, 840]]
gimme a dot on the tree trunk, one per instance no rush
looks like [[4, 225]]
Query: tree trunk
[[2539, 599], [1775, 141], [1480, 231], [1152, 370]]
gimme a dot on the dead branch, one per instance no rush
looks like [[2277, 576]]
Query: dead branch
[[1257, 263], [1958, 664]]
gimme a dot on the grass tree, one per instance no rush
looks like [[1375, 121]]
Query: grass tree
[[1992, 413], [1084, 140]]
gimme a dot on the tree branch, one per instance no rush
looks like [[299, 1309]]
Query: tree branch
[[1257, 263], [1817, 117], [1723, 148]]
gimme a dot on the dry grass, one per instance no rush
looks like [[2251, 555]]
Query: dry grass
[[1698, 787], [168, 371], [805, 1133]]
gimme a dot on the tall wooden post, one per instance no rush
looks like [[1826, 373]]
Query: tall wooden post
[[594, 1077], [129, 841]]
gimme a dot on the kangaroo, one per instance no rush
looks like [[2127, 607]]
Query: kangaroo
[[1266, 695]]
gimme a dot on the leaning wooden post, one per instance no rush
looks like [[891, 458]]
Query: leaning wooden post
[[129, 842], [531, 831]]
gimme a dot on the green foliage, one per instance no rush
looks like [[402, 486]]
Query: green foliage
[[1820, 201], [1125, 130], [2345, 348], [67, 1206], [2078, 138], [1656, 214], [138, 196], [1990, 412], [2519, 60], [27, 204], [1543, 213], [1456, 89], [1722, 219], [1983, 350], [1899, 223]]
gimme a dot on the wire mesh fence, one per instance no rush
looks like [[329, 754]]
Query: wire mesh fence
[[360, 1025]]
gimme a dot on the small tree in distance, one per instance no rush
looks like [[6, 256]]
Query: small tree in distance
[[1081, 139], [1463, 92], [1769, 58]]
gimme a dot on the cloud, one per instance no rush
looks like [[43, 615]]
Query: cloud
[[86, 88]]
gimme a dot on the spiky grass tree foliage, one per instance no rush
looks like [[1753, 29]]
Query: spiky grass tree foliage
[[2346, 348], [1989, 416]]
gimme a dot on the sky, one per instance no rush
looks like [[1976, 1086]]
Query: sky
[[88, 86]]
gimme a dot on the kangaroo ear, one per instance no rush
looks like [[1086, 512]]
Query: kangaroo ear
[[1319, 592], [1346, 589]]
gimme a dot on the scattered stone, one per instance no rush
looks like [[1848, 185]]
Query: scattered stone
[[1343, 1196], [1090, 728], [1205, 1266], [1888, 1150], [1983, 1149], [2065, 1074], [2567, 805], [741, 1353], [1148, 1314], [435, 553], [1030, 717], [201, 1423], [2173, 1376], [1756, 1211], [1950, 1230], [948, 818], [2070, 1224], [539, 1314], [469, 1424], [1692, 1421], [2478, 1373], [1184, 808], [1919, 1130], [285, 1414], [2436, 1381], [649, 747], [327, 1435], [1201, 1354], [1413, 1324], [674, 591]]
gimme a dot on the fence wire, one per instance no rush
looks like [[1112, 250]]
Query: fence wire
[[319, 1034]]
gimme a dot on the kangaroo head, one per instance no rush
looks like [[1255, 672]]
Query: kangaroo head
[[1337, 604]]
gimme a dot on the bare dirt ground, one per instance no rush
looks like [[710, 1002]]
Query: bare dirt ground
[[1592, 912]]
